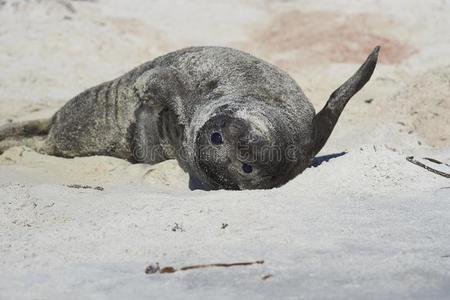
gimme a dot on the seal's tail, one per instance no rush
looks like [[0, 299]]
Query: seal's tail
[[325, 120], [27, 133]]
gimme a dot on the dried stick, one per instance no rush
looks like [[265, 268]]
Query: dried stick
[[155, 269], [418, 163], [222, 265]]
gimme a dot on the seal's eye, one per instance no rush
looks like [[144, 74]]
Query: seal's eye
[[247, 168], [216, 138]]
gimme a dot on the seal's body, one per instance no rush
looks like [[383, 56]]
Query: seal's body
[[231, 120]]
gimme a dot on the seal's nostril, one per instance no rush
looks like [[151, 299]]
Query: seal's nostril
[[247, 168], [216, 138]]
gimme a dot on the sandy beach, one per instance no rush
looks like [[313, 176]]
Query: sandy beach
[[364, 224]]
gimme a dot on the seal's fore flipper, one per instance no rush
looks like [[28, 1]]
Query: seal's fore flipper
[[160, 116], [161, 87], [325, 120]]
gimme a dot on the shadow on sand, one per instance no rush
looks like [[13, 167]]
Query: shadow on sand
[[318, 160]]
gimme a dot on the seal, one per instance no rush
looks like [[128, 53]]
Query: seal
[[232, 121]]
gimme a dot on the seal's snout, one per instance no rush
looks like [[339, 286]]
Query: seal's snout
[[218, 143]]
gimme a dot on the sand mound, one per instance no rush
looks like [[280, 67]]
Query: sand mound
[[24, 165]]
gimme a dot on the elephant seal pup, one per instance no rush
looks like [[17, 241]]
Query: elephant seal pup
[[231, 120]]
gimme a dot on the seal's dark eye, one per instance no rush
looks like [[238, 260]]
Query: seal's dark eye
[[216, 138], [247, 168]]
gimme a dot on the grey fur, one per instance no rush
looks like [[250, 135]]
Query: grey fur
[[170, 107]]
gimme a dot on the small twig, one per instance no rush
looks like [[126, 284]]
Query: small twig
[[79, 186], [156, 269], [433, 160], [418, 163], [259, 262], [265, 277], [436, 161]]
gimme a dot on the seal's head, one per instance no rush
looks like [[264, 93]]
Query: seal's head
[[253, 143], [248, 145]]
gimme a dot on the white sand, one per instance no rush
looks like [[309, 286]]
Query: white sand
[[368, 224]]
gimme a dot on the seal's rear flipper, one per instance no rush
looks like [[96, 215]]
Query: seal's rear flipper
[[325, 120], [29, 133], [25, 129]]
